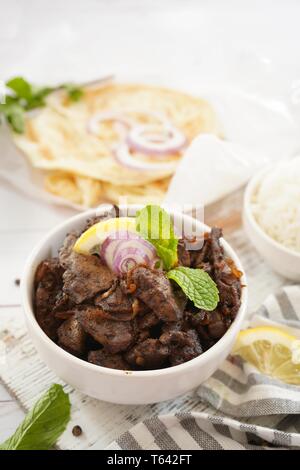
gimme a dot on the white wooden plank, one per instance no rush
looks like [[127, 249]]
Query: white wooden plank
[[20, 213], [10, 414], [14, 249]]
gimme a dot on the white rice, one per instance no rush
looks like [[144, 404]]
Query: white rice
[[276, 204]]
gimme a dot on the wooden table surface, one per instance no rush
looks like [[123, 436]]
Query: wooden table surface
[[23, 223]]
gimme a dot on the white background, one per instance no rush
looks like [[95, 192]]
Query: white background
[[52, 41]]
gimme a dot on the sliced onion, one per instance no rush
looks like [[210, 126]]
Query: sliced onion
[[125, 158], [120, 118], [111, 243], [93, 123], [124, 250], [148, 139], [127, 257]]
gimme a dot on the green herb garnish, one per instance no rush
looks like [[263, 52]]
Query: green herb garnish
[[74, 92], [197, 285], [43, 424], [155, 225], [25, 97]]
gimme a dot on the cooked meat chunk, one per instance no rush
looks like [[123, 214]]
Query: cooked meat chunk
[[105, 359], [209, 326], [168, 327], [66, 252], [62, 302], [150, 354], [146, 326], [211, 322], [111, 212], [205, 339], [194, 319], [71, 337], [180, 297], [230, 295], [184, 257], [201, 257], [148, 320], [85, 277], [137, 321], [217, 252], [225, 275], [216, 327], [155, 290], [183, 346], [64, 314], [141, 335], [47, 270], [115, 336], [48, 281], [115, 301]]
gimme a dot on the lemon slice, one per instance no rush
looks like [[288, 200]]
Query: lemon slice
[[273, 351], [97, 233]]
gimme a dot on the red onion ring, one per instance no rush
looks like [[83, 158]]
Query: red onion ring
[[127, 254], [146, 139], [124, 158], [156, 143], [124, 250], [93, 123]]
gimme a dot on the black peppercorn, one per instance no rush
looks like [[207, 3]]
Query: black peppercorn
[[76, 431]]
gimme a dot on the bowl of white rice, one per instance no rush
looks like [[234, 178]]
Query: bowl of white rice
[[271, 216]]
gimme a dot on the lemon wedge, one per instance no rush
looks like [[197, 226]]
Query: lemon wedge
[[272, 350], [97, 233]]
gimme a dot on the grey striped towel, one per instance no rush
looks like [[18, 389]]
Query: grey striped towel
[[249, 409]]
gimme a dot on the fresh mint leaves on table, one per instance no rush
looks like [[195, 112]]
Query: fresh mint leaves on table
[[155, 225], [25, 97], [197, 285], [43, 424]]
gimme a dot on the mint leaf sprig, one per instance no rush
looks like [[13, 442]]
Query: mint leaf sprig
[[25, 97], [43, 424], [155, 225], [197, 285]]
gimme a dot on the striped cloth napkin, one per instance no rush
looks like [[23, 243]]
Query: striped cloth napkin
[[251, 410]]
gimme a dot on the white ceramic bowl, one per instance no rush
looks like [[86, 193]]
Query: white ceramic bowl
[[283, 260], [117, 386]]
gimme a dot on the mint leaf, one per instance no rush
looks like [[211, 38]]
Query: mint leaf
[[37, 99], [155, 225], [43, 424], [197, 285], [74, 92], [26, 97], [21, 87], [14, 115]]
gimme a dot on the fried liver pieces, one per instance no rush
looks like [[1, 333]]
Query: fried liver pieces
[[140, 322]]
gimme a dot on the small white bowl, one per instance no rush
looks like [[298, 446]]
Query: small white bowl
[[282, 259], [118, 386]]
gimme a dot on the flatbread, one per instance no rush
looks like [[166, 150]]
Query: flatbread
[[88, 192], [57, 139]]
